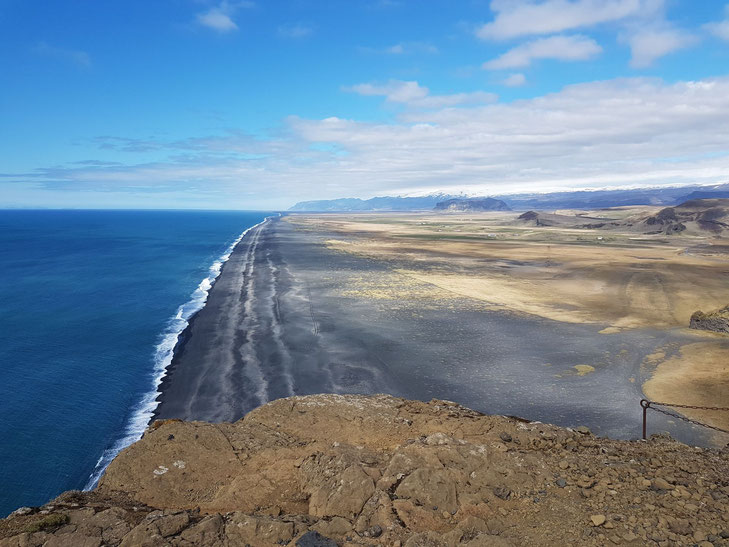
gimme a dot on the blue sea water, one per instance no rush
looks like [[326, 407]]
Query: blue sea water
[[90, 306]]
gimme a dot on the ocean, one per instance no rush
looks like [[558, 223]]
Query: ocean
[[91, 303]]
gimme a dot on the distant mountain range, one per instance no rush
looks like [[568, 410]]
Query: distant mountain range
[[385, 203], [582, 199]]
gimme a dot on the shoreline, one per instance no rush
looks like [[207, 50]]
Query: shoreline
[[293, 316], [183, 337], [145, 411], [198, 353]]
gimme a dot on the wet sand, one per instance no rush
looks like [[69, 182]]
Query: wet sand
[[290, 314]]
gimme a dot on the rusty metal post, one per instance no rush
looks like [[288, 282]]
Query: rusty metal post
[[645, 404]]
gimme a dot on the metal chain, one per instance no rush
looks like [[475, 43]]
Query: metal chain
[[725, 409], [689, 420]]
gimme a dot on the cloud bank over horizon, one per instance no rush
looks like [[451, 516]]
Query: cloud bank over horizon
[[622, 132]]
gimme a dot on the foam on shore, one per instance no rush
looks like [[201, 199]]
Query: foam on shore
[[163, 355]]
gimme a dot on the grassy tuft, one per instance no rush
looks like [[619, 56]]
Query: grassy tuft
[[48, 522]]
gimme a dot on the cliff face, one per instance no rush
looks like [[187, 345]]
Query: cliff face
[[354, 470]]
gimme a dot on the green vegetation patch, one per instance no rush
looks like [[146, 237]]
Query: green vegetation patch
[[50, 521]]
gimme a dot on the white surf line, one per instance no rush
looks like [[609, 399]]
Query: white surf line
[[276, 328], [247, 352], [163, 353]]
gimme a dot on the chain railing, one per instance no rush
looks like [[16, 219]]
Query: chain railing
[[646, 404]]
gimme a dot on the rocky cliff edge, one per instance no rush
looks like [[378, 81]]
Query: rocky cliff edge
[[329, 470]]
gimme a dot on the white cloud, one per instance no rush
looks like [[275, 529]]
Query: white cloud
[[563, 48], [603, 134], [403, 48], [217, 20], [73, 56], [516, 18], [514, 80], [395, 91], [648, 45], [220, 18], [414, 95], [721, 28], [410, 48], [298, 30]]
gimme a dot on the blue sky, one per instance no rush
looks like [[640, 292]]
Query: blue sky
[[259, 104]]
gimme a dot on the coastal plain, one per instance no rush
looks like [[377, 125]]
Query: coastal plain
[[562, 325], [613, 282]]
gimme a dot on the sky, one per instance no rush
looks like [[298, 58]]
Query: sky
[[258, 104]]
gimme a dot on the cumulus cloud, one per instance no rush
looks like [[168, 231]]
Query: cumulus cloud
[[603, 134], [720, 29], [220, 18], [648, 45], [217, 20], [515, 18], [73, 56], [414, 95], [514, 80], [563, 48]]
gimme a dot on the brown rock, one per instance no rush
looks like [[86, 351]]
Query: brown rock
[[345, 498], [679, 526], [426, 539], [73, 540], [209, 532], [257, 531], [170, 525], [429, 487], [297, 466], [336, 527]]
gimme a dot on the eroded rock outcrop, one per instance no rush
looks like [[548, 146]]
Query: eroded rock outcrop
[[717, 321], [355, 470], [705, 215]]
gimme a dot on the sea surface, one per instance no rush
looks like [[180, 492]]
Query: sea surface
[[91, 303]]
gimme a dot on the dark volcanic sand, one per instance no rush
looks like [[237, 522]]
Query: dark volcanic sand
[[279, 322]]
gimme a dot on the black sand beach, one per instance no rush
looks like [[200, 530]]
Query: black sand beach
[[287, 316]]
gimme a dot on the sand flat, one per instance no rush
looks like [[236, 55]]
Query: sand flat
[[698, 375], [619, 281], [560, 274], [312, 304]]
